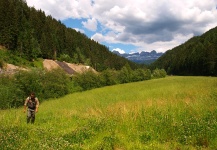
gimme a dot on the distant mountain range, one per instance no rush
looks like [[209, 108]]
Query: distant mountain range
[[141, 58]]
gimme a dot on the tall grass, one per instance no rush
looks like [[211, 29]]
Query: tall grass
[[168, 113]]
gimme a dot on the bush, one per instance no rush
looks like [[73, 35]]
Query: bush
[[125, 74], [3, 56], [147, 75], [65, 57], [28, 81], [159, 73], [55, 84], [109, 77], [141, 75], [46, 84], [2, 63], [11, 96], [90, 80], [87, 80]]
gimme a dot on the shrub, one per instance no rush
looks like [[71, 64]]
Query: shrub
[[147, 75], [108, 77], [46, 84], [65, 57], [87, 80], [11, 96], [55, 84], [125, 75], [2, 63], [159, 73], [29, 81], [141, 74]]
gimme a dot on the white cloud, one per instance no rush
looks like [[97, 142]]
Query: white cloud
[[79, 30], [149, 24], [160, 46], [119, 50], [91, 24], [62, 9], [98, 37]]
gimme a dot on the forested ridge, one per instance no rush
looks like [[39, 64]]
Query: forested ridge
[[30, 34], [197, 56]]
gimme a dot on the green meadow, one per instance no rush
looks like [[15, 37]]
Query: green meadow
[[172, 113]]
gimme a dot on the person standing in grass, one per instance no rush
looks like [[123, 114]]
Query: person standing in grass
[[32, 103]]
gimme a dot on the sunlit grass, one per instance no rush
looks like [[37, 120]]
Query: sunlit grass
[[168, 113]]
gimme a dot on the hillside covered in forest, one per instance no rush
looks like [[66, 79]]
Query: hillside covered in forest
[[30, 34], [197, 56]]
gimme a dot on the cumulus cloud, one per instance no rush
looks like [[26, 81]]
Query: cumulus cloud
[[119, 50], [90, 24], [63, 9], [99, 37], [157, 24], [150, 24]]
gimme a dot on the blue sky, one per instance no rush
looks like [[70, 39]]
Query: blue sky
[[134, 25], [77, 25]]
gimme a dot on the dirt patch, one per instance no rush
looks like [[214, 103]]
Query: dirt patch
[[80, 68], [68, 67], [2, 47], [10, 69], [50, 64]]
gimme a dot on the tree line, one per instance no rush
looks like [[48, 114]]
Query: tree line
[[197, 56], [56, 83], [30, 34]]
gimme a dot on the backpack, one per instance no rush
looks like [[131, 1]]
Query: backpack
[[31, 103]]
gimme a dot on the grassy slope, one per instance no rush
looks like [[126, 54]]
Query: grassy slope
[[168, 113]]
